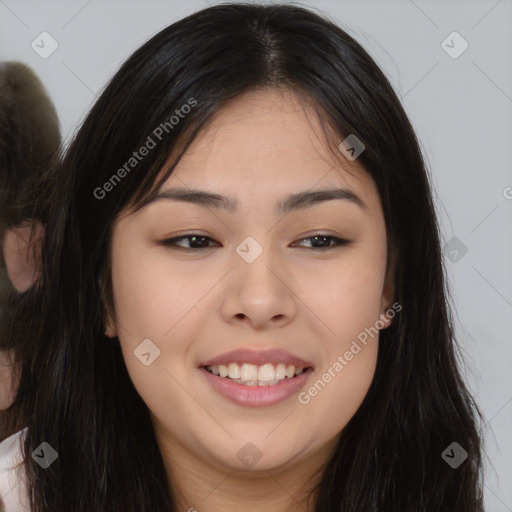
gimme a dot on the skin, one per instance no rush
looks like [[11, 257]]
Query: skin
[[22, 262], [261, 147], [8, 383]]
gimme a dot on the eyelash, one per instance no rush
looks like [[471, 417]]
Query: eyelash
[[171, 242]]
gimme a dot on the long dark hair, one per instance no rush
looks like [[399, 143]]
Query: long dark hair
[[75, 392]]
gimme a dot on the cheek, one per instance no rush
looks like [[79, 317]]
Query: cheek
[[146, 294], [147, 307], [337, 390], [153, 301], [347, 295], [347, 300]]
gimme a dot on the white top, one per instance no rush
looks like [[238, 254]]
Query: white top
[[13, 493]]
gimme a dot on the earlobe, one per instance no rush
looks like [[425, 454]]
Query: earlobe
[[110, 332], [388, 293], [384, 320], [110, 329], [386, 306]]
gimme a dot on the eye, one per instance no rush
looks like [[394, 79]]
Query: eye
[[323, 240], [197, 242]]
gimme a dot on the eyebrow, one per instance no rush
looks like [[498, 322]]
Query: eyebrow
[[292, 202]]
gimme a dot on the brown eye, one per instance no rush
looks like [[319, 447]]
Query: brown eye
[[322, 241], [196, 242]]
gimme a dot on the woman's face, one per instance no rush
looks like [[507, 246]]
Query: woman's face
[[255, 282]]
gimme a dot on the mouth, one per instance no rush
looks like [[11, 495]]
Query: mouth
[[256, 378], [256, 389]]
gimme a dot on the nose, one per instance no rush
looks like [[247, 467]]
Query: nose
[[259, 294]]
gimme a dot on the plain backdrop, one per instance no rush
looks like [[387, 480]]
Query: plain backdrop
[[459, 102]]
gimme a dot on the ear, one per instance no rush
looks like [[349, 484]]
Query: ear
[[108, 318], [388, 291], [22, 254], [110, 328]]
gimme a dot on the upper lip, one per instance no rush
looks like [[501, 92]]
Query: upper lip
[[258, 358]]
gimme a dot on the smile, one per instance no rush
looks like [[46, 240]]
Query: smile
[[254, 392]]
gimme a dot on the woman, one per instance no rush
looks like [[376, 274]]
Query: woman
[[243, 298]]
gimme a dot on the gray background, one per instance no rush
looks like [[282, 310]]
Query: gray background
[[460, 107]]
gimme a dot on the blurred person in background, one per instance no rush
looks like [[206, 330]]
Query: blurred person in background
[[29, 143]]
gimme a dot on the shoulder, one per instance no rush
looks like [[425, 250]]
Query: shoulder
[[13, 494]]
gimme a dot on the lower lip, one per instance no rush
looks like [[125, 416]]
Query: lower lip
[[256, 396]]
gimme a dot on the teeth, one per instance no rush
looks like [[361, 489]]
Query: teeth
[[248, 372], [233, 371], [280, 371], [268, 383], [252, 375], [266, 373]]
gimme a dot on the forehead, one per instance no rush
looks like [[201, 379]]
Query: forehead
[[267, 143]]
